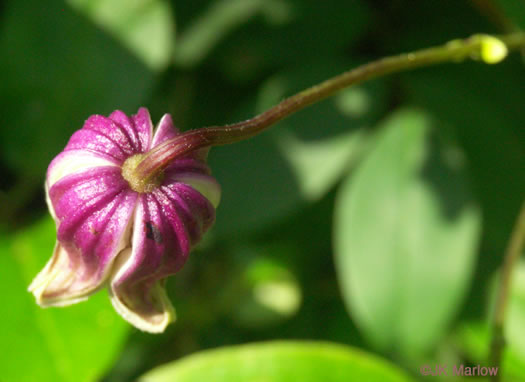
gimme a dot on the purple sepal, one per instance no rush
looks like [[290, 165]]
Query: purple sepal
[[109, 234]]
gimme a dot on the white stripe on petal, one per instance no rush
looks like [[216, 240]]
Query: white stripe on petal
[[72, 161]]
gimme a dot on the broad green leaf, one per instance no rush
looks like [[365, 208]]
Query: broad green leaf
[[60, 69], [279, 361], [405, 234], [146, 27], [76, 343], [482, 106]]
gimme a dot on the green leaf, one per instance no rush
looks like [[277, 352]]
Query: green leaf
[[76, 343], [483, 107], [405, 234], [146, 27], [60, 69], [278, 361]]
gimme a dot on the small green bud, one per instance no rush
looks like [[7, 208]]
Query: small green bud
[[492, 50]]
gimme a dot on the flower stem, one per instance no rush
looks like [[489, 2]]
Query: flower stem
[[512, 255], [474, 47]]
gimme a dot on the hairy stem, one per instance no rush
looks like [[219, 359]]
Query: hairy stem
[[512, 255], [473, 47]]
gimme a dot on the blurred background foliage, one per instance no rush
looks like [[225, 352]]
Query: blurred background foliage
[[358, 239]]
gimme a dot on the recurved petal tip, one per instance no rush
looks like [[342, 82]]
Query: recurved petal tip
[[142, 302], [59, 284], [147, 308]]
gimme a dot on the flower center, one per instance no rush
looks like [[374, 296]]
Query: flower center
[[137, 183]]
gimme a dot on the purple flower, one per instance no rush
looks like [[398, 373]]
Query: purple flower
[[114, 230]]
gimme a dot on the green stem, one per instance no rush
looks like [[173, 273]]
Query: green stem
[[454, 51], [512, 255]]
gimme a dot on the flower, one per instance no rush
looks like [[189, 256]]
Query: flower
[[111, 232]]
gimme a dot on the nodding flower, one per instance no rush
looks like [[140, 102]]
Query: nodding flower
[[120, 230]]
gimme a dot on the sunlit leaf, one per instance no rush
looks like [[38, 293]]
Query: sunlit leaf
[[146, 27], [76, 343], [405, 234], [276, 362]]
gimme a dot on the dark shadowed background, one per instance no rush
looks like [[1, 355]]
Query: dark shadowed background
[[376, 219]]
